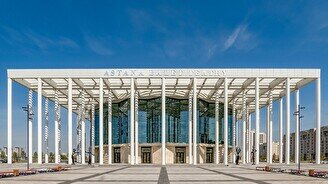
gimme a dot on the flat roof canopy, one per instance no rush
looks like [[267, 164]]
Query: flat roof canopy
[[178, 83]]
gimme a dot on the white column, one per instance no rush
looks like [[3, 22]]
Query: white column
[[59, 132], [163, 123], [318, 119], [30, 125], [109, 127], [225, 121], [246, 137], [237, 131], [39, 121], [83, 128], [194, 119], [297, 136], [70, 121], [93, 131], [57, 156], [101, 121], [46, 131], [249, 145], [267, 132], [132, 122], [9, 121], [257, 121], [234, 131], [243, 151], [79, 132], [280, 130], [270, 127], [136, 129], [287, 147], [190, 128], [217, 116]]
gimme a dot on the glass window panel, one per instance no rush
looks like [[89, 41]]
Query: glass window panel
[[149, 120]]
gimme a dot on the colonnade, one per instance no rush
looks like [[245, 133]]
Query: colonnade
[[192, 142]]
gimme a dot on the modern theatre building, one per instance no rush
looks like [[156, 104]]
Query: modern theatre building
[[162, 116]]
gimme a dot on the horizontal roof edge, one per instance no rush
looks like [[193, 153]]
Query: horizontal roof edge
[[165, 72]]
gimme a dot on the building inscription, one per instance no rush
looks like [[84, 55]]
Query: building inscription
[[164, 73]]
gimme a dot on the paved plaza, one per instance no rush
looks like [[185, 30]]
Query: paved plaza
[[158, 174]]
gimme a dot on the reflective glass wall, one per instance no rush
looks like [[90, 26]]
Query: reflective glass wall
[[206, 123], [120, 123], [177, 120], [150, 122]]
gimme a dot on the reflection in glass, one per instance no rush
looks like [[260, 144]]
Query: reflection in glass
[[176, 120], [120, 123], [206, 123], [149, 121]]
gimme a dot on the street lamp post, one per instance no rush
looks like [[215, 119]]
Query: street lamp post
[[29, 115], [299, 116]]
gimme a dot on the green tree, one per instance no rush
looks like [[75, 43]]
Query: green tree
[[35, 157], [51, 157], [63, 157], [15, 157], [262, 158], [292, 157], [274, 157], [23, 155], [3, 155], [322, 156]]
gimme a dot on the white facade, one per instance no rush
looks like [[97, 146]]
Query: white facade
[[244, 90]]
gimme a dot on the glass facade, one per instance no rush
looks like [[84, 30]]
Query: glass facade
[[206, 123], [120, 123], [177, 120], [150, 122]]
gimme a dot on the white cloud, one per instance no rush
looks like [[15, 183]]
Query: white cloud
[[33, 40], [241, 39], [100, 46], [43, 42], [232, 38], [142, 21]]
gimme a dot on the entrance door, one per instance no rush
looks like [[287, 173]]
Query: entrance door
[[146, 155], [180, 155], [209, 155], [117, 155]]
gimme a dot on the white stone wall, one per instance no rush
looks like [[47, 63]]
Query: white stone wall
[[156, 150]]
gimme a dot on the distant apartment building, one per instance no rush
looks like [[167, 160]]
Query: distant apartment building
[[18, 151], [262, 138], [307, 144], [275, 150], [324, 141], [5, 150]]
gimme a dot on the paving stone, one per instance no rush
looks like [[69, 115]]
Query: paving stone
[[174, 174]]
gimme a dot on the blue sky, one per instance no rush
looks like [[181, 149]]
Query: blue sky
[[123, 34]]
